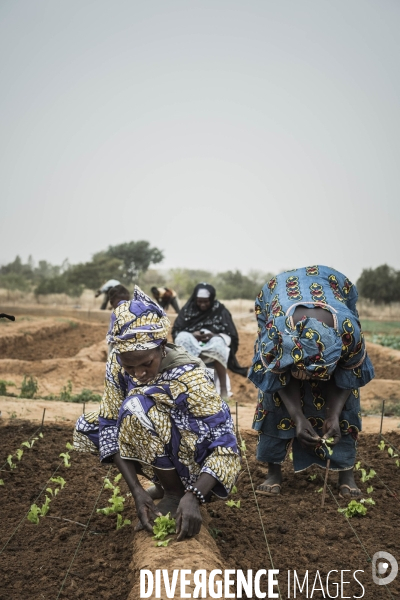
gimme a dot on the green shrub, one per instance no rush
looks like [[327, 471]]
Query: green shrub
[[29, 387]]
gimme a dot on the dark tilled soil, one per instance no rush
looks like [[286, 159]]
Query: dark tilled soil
[[36, 559], [303, 536], [52, 344]]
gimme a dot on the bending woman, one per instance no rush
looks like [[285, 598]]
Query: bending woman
[[309, 366], [160, 417], [206, 329]]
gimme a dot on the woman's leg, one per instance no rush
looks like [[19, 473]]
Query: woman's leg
[[221, 372], [348, 488], [173, 490], [272, 484]]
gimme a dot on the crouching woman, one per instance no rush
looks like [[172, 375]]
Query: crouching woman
[[160, 417]]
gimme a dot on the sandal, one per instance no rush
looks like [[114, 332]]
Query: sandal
[[274, 485], [350, 496]]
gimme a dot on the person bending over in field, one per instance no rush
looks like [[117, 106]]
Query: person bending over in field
[[206, 329], [165, 297], [160, 417], [105, 289], [309, 365]]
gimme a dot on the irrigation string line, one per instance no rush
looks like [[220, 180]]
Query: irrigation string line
[[82, 536], [259, 512], [26, 515], [356, 535]]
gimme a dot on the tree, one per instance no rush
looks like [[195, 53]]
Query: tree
[[136, 257], [380, 285]]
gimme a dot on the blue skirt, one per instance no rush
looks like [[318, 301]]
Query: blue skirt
[[277, 430]]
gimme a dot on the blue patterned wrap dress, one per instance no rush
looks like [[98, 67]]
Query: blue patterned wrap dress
[[321, 351]]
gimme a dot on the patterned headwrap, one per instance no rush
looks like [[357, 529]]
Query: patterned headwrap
[[311, 347], [139, 324]]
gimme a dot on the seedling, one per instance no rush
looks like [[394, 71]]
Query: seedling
[[234, 490], [381, 445], [243, 446], [59, 480], [354, 509], [233, 504], [19, 453], [291, 456], [66, 457], [1, 482], [51, 491], [370, 489], [320, 490], [214, 532], [365, 477], [162, 527], [29, 387], [397, 463], [122, 522], [367, 501], [69, 446], [357, 465], [327, 444], [36, 512], [116, 500], [40, 435], [10, 462], [312, 477], [391, 452]]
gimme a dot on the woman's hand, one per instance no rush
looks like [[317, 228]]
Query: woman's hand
[[146, 509], [306, 435], [188, 517], [331, 429]]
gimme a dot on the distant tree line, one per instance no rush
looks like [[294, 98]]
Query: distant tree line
[[125, 262], [130, 263], [380, 285]]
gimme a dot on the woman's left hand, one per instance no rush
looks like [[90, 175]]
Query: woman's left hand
[[331, 429], [188, 517]]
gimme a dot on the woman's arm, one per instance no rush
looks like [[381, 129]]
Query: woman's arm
[[290, 396], [335, 400], [188, 516], [145, 507]]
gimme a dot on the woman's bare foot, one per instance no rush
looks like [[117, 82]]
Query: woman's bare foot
[[272, 484], [348, 489], [155, 491], [169, 504]]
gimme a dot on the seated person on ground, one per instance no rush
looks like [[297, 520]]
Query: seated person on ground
[[165, 297], [206, 329], [310, 363], [160, 417]]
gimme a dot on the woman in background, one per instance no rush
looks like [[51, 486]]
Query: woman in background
[[205, 328]]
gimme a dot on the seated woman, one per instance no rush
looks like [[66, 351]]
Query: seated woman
[[206, 329], [310, 363], [160, 417]]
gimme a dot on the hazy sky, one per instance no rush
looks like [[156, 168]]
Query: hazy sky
[[232, 134]]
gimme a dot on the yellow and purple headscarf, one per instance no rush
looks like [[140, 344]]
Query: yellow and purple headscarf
[[138, 324]]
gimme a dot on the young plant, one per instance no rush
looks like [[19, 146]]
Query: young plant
[[36, 512], [59, 480], [391, 452], [381, 445], [370, 489], [243, 447], [66, 457], [162, 527], [327, 443], [234, 490], [367, 501], [116, 501], [357, 465], [1, 482], [365, 477], [233, 504], [10, 462], [354, 509], [69, 446], [122, 522], [312, 477], [19, 454]]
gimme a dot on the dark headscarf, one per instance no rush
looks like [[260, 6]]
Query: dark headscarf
[[217, 319]]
